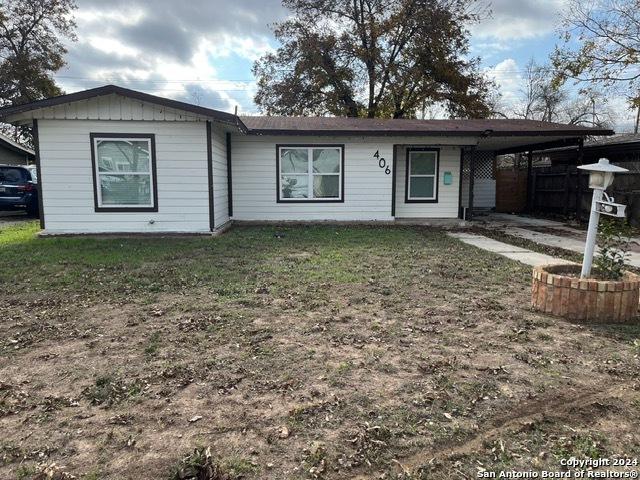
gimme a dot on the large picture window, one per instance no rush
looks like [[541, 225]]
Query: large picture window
[[310, 173], [422, 175], [124, 172]]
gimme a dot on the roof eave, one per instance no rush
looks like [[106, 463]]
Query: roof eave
[[217, 115], [443, 133], [236, 121]]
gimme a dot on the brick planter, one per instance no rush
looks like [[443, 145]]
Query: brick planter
[[597, 301]]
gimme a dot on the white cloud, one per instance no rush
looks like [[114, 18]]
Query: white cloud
[[129, 16], [519, 19], [507, 77], [112, 46], [248, 48], [171, 49], [624, 116]]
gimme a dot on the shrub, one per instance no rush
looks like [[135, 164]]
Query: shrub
[[613, 242]]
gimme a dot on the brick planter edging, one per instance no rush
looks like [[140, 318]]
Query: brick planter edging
[[597, 301]]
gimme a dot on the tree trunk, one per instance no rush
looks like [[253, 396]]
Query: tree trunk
[[352, 107]]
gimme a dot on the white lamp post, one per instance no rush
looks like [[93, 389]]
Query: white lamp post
[[600, 178]]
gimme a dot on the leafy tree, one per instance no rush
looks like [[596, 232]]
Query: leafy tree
[[31, 48], [541, 98], [607, 34], [373, 58]]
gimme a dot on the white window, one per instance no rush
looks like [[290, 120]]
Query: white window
[[310, 173], [124, 172], [422, 175]]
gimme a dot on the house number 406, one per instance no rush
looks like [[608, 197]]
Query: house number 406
[[382, 163]]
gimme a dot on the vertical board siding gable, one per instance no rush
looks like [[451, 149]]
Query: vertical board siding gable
[[112, 107]]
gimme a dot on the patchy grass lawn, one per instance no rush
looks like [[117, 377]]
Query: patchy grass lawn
[[323, 352]]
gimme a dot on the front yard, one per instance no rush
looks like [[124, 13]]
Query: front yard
[[296, 352]]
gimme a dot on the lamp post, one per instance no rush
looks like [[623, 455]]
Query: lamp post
[[600, 178]]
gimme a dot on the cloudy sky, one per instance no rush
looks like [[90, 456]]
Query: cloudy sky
[[201, 51]]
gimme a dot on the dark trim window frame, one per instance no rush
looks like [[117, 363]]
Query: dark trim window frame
[[279, 174], [151, 138], [408, 176]]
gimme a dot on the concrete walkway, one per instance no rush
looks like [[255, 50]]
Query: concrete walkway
[[548, 233], [522, 255], [573, 241], [507, 219]]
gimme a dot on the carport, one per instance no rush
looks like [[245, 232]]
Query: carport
[[558, 187], [478, 163]]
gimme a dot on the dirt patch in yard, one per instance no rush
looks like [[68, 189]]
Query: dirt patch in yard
[[332, 352]]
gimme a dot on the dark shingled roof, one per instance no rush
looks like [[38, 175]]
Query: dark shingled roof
[[371, 126], [330, 125], [622, 139]]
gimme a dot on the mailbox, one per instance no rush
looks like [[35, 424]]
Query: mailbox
[[612, 209], [600, 178]]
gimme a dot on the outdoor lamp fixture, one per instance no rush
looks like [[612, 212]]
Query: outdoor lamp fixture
[[600, 178]]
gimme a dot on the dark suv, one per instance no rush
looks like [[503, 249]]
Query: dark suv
[[19, 188]]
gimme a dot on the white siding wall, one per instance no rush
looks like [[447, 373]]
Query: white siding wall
[[367, 189], [448, 195], [484, 193], [181, 164], [220, 185]]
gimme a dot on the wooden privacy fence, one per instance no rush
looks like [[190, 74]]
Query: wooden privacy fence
[[562, 190], [558, 191], [511, 190]]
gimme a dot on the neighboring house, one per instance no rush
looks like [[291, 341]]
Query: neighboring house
[[12, 153], [117, 160]]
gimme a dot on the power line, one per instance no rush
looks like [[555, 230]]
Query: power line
[[503, 73], [141, 80]]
